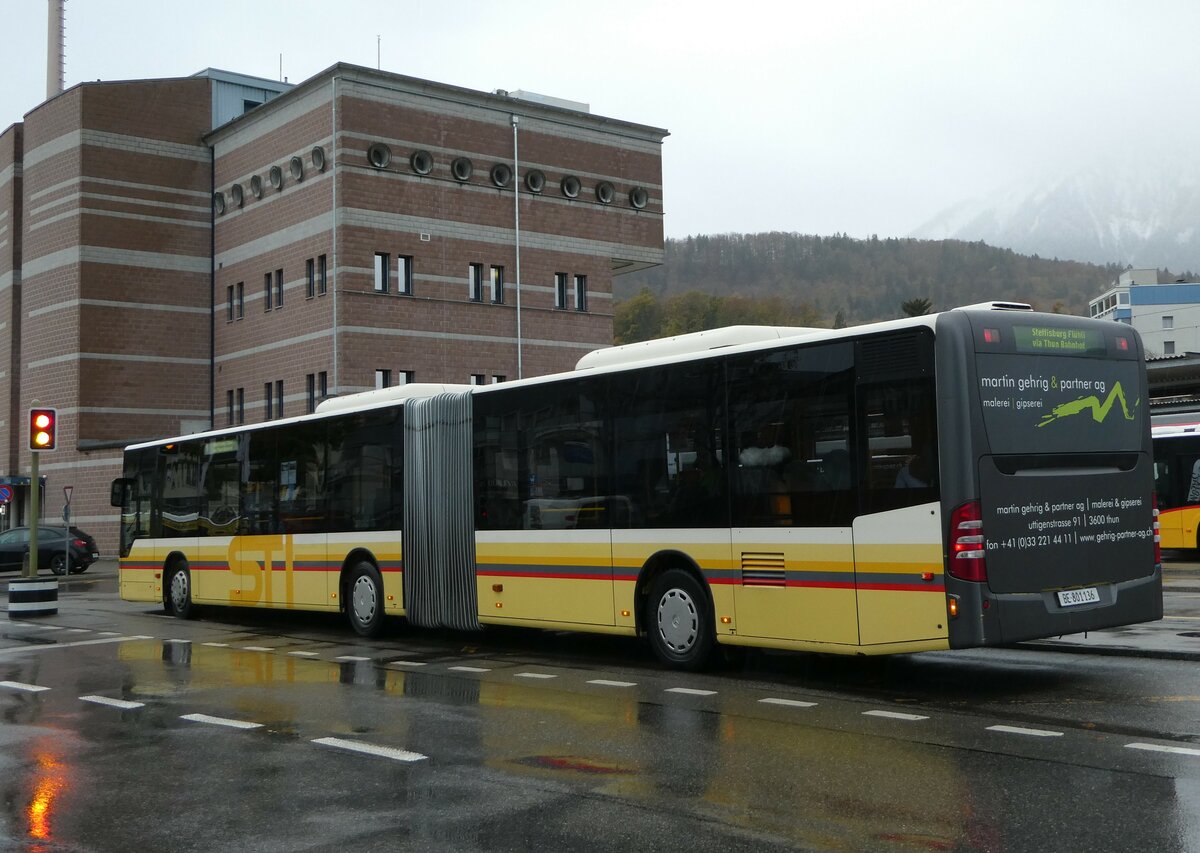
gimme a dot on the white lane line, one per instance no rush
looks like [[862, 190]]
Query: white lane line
[[407, 663], [109, 633], [790, 703], [113, 703], [216, 645], [1154, 747], [20, 685], [189, 642], [894, 715], [534, 675], [466, 668], [221, 721], [1018, 730], [604, 682], [691, 691], [351, 658], [79, 631], [257, 649], [46, 627], [305, 654], [371, 749], [53, 646]]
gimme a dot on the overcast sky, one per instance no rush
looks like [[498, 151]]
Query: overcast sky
[[810, 115]]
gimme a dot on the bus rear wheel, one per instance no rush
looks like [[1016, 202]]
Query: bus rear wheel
[[364, 600], [679, 621], [178, 598]]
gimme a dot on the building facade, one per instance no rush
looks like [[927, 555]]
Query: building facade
[[360, 229], [1166, 314]]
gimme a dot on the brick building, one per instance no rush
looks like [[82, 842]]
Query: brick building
[[159, 276]]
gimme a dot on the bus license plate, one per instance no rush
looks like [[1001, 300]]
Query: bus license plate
[[1072, 597]]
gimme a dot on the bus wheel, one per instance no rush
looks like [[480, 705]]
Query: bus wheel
[[178, 599], [364, 600], [678, 621]]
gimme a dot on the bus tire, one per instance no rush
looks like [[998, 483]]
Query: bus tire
[[177, 594], [364, 600], [679, 621]]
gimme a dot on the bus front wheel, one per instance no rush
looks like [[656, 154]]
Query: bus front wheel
[[364, 600], [679, 621], [178, 598]]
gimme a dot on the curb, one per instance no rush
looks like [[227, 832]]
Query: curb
[[1108, 651]]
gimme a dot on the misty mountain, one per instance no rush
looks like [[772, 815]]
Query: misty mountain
[[1141, 213], [863, 280]]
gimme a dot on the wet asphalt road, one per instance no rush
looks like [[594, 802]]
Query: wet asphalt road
[[260, 731]]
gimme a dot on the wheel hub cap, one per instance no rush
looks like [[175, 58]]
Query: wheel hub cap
[[678, 624]]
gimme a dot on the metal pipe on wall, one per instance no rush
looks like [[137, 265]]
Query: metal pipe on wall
[[517, 238]]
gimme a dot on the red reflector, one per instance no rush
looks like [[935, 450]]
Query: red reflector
[[967, 546], [991, 336], [1123, 344]]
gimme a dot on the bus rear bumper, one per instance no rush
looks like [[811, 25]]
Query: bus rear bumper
[[1000, 619]]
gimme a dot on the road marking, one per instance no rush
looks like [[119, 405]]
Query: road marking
[[407, 663], [110, 633], [52, 646], [790, 703], [894, 715], [305, 654], [114, 703], [221, 721], [691, 691], [19, 685], [257, 649], [604, 682], [189, 642], [1018, 730], [371, 749], [534, 675], [466, 668], [78, 631], [216, 645], [351, 658], [1154, 747], [45, 627]]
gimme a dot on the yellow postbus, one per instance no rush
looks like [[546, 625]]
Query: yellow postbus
[[1177, 482], [974, 477]]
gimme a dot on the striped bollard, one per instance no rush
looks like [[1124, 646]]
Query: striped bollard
[[32, 597]]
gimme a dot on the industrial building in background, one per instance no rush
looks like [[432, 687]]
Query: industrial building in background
[[188, 253]]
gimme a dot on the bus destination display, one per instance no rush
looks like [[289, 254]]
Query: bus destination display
[[1051, 340]]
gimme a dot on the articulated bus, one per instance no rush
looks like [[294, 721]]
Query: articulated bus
[[969, 478], [1177, 482]]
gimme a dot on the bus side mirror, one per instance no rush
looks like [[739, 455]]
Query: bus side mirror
[[120, 489]]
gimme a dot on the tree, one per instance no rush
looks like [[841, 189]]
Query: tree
[[916, 307], [637, 319]]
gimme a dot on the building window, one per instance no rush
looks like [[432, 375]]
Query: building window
[[403, 377], [497, 378], [404, 273], [241, 300], [382, 263], [322, 276], [267, 292], [269, 397], [241, 405], [383, 378], [279, 398], [1168, 348], [1168, 321], [581, 293], [229, 296], [475, 282], [278, 288], [310, 278], [497, 285], [322, 386], [229, 407], [1123, 298], [560, 290], [479, 379], [310, 391]]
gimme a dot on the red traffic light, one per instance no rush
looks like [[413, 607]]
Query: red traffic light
[[43, 429]]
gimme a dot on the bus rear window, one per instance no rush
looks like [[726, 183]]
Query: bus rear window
[[1060, 404]]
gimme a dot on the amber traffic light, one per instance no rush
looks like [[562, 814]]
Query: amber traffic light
[[43, 429]]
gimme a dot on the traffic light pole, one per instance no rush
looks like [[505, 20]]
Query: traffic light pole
[[31, 568]]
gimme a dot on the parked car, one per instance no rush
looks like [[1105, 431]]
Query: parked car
[[52, 549]]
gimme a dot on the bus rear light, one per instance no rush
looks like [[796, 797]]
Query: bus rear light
[[1157, 530], [1123, 344], [967, 548], [991, 336]]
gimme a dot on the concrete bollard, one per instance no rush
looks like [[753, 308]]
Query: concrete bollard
[[32, 597]]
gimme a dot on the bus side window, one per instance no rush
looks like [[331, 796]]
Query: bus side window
[[902, 458]]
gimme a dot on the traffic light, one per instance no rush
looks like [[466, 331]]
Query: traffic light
[[43, 429]]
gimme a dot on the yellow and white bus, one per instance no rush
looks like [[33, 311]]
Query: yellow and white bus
[[969, 478], [1177, 482]]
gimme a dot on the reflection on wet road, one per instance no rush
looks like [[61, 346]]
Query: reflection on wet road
[[218, 738]]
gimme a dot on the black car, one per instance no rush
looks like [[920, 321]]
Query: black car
[[52, 549]]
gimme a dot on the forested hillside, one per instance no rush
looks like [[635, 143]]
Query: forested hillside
[[801, 279]]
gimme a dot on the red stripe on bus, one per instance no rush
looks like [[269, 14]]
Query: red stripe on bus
[[553, 575]]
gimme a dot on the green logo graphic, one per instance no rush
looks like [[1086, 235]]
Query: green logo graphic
[[1099, 410]]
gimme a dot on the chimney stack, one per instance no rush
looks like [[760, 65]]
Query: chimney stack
[[55, 42]]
